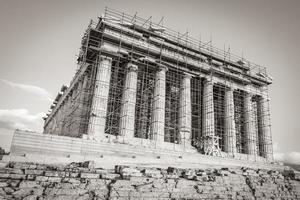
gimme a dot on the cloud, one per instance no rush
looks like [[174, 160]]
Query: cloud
[[38, 91], [21, 119], [291, 157]]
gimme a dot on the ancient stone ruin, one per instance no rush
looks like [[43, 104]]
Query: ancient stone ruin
[[83, 181], [146, 99]]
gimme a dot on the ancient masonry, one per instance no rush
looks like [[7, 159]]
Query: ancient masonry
[[145, 98], [143, 85], [140, 83], [81, 181]]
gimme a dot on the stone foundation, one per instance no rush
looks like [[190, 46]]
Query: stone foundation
[[83, 181]]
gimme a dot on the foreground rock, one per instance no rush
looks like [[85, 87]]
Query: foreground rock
[[83, 181]]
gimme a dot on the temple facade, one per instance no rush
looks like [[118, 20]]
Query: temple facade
[[139, 83]]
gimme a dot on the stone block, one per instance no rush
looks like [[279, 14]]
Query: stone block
[[17, 176], [21, 193], [189, 174], [74, 174], [2, 192], [97, 184], [101, 194], [89, 164], [15, 171], [18, 165], [13, 183], [54, 179], [101, 171], [4, 176], [31, 197], [73, 181], [31, 177], [110, 176], [289, 174], [89, 175], [153, 173], [129, 172], [84, 197], [198, 178], [297, 176], [182, 183], [56, 173], [8, 190], [61, 197], [3, 184], [172, 170], [34, 171], [41, 167], [118, 168], [140, 180], [55, 191], [171, 176], [122, 185], [32, 166], [41, 178], [28, 184]]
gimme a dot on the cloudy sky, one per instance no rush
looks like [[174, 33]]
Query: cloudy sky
[[40, 40]]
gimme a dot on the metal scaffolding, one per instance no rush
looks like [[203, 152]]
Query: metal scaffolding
[[75, 106]]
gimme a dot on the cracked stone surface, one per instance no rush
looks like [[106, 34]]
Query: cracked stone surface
[[31, 181]]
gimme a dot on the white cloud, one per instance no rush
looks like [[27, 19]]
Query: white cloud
[[38, 91], [291, 157], [21, 119]]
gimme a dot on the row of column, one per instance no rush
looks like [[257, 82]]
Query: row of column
[[230, 126], [127, 114]]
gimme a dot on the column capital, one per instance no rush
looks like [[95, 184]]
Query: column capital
[[162, 67], [131, 67], [264, 98], [187, 75], [105, 58], [228, 88], [249, 94], [208, 82]]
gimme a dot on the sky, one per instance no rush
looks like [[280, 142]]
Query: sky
[[40, 41]]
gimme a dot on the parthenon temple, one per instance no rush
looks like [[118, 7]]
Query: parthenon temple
[[141, 84]]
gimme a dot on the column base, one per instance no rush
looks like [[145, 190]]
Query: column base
[[96, 138]]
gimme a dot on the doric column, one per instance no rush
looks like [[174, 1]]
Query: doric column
[[249, 125], [100, 99], [265, 128], [83, 105], [127, 113], [185, 111], [208, 128], [230, 132], [158, 113]]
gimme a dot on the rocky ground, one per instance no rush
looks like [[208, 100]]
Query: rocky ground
[[83, 181]]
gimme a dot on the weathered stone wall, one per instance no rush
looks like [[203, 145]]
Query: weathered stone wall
[[83, 181]]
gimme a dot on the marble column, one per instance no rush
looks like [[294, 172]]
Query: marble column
[[185, 111], [158, 112], [100, 99], [127, 113], [208, 128], [83, 105], [249, 125], [230, 131], [265, 128]]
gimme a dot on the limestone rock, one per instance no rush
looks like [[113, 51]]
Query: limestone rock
[[31, 197], [89, 175], [152, 173], [89, 164], [189, 174], [128, 172], [144, 183]]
